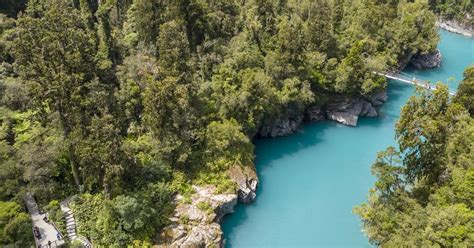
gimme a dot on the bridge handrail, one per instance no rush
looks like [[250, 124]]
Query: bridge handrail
[[408, 79]]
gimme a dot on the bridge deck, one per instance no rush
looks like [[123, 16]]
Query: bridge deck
[[413, 81]]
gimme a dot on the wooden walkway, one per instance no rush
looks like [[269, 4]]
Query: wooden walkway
[[48, 233], [409, 80]]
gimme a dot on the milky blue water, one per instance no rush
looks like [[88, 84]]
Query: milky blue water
[[310, 181]]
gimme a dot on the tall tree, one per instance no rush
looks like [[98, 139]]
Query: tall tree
[[55, 55], [423, 195]]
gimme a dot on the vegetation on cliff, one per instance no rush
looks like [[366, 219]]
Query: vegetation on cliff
[[461, 11], [127, 102]]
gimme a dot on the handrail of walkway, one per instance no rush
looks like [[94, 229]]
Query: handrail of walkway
[[54, 224]]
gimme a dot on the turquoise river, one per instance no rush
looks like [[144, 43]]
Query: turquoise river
[[311, 180]]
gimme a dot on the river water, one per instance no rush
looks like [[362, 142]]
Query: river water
[[310, 181]]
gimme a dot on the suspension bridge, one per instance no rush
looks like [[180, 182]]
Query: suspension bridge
[[406, 78]]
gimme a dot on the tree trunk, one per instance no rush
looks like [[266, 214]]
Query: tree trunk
[[72, 155], [74, 166]]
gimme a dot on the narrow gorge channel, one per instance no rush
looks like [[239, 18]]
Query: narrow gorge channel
[[311, 180]]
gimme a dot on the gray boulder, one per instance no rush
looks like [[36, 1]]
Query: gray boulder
[[348, 110], [427, 60]]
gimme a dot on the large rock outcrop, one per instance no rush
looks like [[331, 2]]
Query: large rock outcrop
[[348, 110], [246, 180], [340, 108], [426, 60], [195, 222]]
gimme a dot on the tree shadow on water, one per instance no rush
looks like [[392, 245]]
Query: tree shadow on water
[[233, 221], [269, 150], [398, 95], [396, 90]]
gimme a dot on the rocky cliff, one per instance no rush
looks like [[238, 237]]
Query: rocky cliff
[[246, 180], [340, 108], [280, 126], [347, 111], [426, 60], [195, 222]]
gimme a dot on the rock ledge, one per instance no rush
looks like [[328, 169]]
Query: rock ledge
[[426, 61], [246, 180], [347, 111], [195, 222]]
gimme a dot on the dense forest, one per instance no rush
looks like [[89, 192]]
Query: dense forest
[[424, 194], [461, 11], [125, 103]]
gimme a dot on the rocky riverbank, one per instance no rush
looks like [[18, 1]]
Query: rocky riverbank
[[348, 110], [456, 27], [343, 109], [340, 108], [196, 219]]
